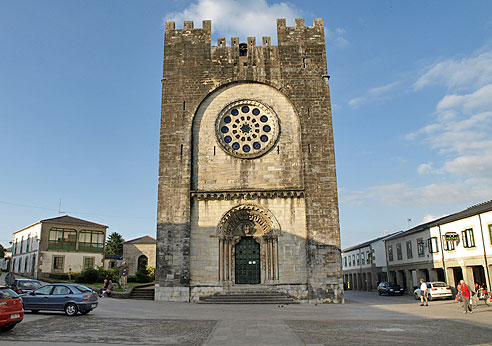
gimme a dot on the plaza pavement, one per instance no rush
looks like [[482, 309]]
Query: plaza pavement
[[365, 319]]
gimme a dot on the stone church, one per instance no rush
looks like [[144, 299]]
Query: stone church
[[247, 182]]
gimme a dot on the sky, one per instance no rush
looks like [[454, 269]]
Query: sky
[[80, 94]]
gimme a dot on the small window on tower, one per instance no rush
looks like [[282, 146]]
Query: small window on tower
[[243, 49]]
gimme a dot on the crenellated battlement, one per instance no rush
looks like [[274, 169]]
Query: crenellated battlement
[[282, 30], [189, 27]]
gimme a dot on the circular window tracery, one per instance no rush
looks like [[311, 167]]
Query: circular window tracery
[[247, 128]]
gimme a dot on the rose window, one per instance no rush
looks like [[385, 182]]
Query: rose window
[[247, 129]]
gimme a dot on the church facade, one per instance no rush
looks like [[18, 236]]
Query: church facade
[[247, 182]]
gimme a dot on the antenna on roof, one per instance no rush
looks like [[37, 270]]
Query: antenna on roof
[[408, 222], [60, 211]]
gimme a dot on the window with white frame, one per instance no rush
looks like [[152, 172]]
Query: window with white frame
[[409, 249], [390, 252], [420, 247], [449, 241], [358, 262], [350, 260], [490, 233], [363, 258], [399, 252], [433, 246], [368, 256], [345, 260], [468, 239]]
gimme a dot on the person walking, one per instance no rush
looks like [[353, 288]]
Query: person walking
[[423, 293], [466, 295]]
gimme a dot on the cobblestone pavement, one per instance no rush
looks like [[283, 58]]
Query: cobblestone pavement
[[384, 332], [119, 331]]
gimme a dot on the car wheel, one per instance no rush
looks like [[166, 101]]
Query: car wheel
[[34, 311], [85, 312], [379, 292], [416, 296], [429, 297], [71, 309]]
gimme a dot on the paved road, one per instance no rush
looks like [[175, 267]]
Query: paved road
[[366, 319]]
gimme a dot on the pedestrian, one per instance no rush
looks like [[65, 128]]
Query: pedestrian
[[101, 291], [466, 295], [109, 288], [423, 293]]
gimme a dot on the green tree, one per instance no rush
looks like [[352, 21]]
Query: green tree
[[2, 251], [114, 244]]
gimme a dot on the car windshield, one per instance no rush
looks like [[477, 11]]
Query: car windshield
[[83, 289], [7, 293], [439, 284], [28, 284]]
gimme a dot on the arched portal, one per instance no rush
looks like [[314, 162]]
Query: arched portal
[[248, 246], [142, 262], [247, 260]]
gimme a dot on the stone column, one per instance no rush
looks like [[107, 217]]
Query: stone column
[[221, 260], [275, 259]]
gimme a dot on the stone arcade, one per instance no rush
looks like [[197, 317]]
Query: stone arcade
[[247, 182]]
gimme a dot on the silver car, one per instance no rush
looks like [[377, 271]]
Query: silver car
[[435, 289], [71, 298]]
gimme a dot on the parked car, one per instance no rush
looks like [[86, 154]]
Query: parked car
[[25, 285], [71, 298], [389, 289], [435, 289], [11, 311]]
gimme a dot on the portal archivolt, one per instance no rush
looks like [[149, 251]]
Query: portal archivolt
[[248, 221]]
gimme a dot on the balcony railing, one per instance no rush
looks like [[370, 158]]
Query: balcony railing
[[61, 245]]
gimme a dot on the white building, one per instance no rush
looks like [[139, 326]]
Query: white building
[[455, 247], [364, 265], [58, 246]]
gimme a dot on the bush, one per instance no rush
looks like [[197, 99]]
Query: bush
[[146, 274], [58, 276], [88, 276]]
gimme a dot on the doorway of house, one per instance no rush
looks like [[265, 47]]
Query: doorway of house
[[247, 261], [458, 275]]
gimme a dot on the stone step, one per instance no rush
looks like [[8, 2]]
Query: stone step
[[246, 296], [249, 295], [143, 293]]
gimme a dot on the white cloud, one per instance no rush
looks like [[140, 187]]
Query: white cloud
[[460, 133], [373, 94], [469, 72], [336, 37], [430, 217], [238, 18], [425, 168], [404, 195]]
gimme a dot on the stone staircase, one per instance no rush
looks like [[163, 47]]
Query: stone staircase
[[144, 293], [249, 294]]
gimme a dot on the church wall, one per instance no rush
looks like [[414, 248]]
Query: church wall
[[297, 69], [204, 249], [214, 169]]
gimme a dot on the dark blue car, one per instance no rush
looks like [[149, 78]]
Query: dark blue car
[[71, 298]]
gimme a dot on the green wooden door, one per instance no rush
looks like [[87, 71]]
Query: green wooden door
[[247, 261]]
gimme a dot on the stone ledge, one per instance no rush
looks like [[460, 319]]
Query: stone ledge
[[246, 194]]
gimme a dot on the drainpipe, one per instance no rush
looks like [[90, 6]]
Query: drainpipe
[[484, 253], [442, 255]]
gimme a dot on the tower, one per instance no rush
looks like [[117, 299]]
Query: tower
[[247, 181]]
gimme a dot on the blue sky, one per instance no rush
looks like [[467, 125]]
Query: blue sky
[[411, 87]]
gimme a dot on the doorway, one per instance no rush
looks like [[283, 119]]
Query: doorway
[[247, 261], [458, 275]]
